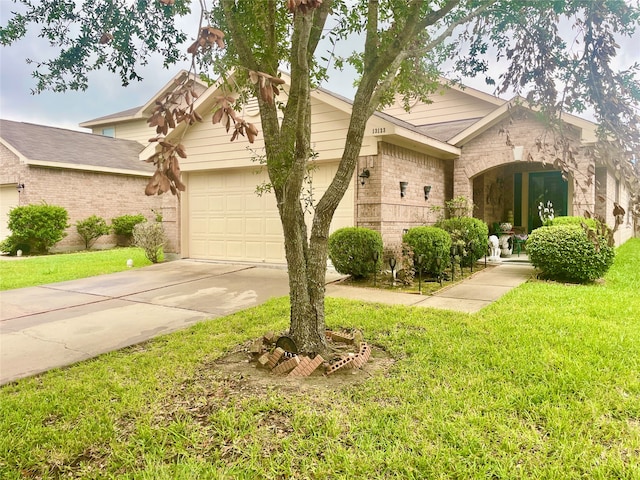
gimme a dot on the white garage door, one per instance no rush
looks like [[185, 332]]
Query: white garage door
[[227, 220], [8, 199]]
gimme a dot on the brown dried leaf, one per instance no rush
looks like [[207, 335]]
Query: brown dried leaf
[[105, 38], [164, 185], [181, 151], [217, 116], [150, 190]]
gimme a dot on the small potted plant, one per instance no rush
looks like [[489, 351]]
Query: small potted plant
[[506, 227]]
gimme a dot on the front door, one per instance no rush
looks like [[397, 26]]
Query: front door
[[546, 187]]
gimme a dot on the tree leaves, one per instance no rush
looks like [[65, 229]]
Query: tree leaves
[[226, 115], [167, 176], [267, 85], [302, 6], [87, 35], [208, 37]]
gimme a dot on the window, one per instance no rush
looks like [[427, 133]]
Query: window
[[109, 132]]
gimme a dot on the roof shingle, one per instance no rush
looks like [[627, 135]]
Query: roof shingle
[[57, 145]]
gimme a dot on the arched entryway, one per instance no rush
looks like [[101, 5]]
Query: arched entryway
[[512, 192]]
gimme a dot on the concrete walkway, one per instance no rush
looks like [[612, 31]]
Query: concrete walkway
[[471, 295], [59, 324]]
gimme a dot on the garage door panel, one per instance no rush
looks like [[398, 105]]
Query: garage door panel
[[215, 203], [235, 226], [235, 203], [254, 226], [227, 220]]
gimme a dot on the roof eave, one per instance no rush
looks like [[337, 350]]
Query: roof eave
[[91, 168]]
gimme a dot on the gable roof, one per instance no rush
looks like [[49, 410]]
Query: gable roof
[[44, 146], [143, 111], [446, 130], [397, 129], [587, 128]]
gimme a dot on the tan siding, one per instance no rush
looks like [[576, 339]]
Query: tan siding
[[448, 106], [209, 146], [136, 130]]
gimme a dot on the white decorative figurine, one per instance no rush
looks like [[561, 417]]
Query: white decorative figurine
[[494, 249]]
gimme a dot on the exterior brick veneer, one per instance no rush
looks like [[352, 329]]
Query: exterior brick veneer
[[86, 193], [488, 157], [379, 205]]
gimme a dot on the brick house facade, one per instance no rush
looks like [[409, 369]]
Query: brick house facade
[[83, 188], [464, 143]]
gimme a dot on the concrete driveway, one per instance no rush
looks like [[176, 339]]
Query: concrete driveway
[[59, 324], [63, 323]]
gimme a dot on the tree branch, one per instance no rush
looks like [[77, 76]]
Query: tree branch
[[247, 58], [372, 38]]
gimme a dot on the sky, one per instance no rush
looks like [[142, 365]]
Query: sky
[[105, 94]]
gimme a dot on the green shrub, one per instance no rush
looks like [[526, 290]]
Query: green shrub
[[471, 233], [432, 243], [123, 225], [590, 222], [92, 228], [352, 251], [35, 228], [151, 238], [567, 253]]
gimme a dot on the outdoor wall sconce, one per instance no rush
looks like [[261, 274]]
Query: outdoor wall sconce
[[403, 188], [20, 187], [364, 175], [427, 191]]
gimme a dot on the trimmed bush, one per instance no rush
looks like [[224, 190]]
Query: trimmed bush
[[351, 250], [589, 222], [123, 225], [566, 253], [92, 228], [35, 228], [151, 238], [471, 233], [432, 243]]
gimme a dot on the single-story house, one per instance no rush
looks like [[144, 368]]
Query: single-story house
[[464, 143], [86, 174]]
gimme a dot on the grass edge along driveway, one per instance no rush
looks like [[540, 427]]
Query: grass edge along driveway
[[43, 269], [542, 384]]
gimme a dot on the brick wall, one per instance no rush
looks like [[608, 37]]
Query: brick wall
[[89, 193], [490, 155], [379, 205]]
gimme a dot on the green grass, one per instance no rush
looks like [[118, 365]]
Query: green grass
[[542, 384], [32, 271]]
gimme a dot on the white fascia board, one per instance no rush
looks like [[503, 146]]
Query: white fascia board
[[88, 168]]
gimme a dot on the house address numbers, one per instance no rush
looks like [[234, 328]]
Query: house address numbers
[[379, 130]]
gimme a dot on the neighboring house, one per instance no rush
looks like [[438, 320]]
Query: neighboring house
[[84, 173], [464, 143]]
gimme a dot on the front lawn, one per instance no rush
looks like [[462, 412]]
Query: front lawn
[[39, 270], [542, 384]]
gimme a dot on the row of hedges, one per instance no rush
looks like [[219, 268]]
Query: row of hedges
[[358, 251], [37, 228], [571, 249]]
